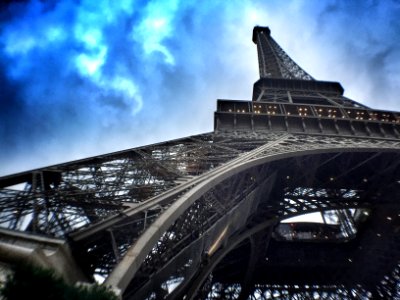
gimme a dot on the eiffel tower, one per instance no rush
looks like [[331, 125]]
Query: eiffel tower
[[294, 195]]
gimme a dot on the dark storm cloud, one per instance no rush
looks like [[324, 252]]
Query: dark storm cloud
[[51, 57], [77, 72]]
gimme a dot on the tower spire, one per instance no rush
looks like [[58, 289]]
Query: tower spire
[[273, 60], [211, 216]]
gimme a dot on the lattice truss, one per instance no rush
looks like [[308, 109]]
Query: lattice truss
[[285, 292], [211, 216], [310, 97], [105, 205], [306, 292], [340, 184], [58, 200], [274, 62], [65, 199]]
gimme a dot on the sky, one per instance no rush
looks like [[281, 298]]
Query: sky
[[80, 78]]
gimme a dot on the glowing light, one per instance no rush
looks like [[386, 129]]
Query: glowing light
[[252, 15], [314, 217], [158, 23], [217, 242], [155, 28], [92, 38], [89, 65]]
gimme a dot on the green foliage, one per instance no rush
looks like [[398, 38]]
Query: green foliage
[[29, 282]]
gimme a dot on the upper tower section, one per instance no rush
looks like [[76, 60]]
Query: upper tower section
[[287, 98], [279, 72], [273, 61]]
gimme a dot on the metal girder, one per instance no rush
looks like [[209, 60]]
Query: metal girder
[[96, 188], [273, 60], [111, 197], [198, 217], [105, 240], [363, 289], [259, 243], [149, 238], [250, 163]]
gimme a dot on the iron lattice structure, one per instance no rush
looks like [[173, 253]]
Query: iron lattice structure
[[212, 216]]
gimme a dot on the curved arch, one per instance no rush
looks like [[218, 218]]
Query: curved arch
[[125, 270], [196, 284], [191, 292]]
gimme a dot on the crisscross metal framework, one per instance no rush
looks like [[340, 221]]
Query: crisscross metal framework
[[273, 60], [211, 216]]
